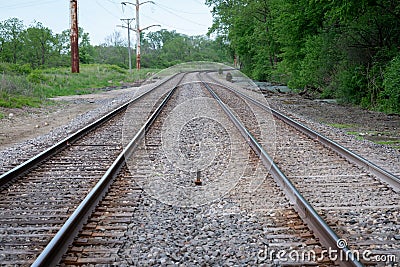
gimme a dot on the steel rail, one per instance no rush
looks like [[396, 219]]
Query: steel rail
[[384, 175], [56, 248], [327, 236], [24, 167]]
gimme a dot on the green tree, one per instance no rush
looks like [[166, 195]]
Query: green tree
[[247, 24], [166, 48], [341, 48], [39, 44], [62, 49], [113, 51], [11, 31], [86, 50]]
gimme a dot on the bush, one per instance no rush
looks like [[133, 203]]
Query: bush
[[15, 84], [9, 68], [389, 98], [350, 84], [116, 68], [37, 77]]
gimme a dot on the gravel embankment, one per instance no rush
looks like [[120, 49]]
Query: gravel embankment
[[17, 153]]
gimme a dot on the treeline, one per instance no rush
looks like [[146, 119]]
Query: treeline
[[36, 46], [344, 49]]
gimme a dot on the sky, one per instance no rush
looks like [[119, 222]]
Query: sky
[[100, 18]]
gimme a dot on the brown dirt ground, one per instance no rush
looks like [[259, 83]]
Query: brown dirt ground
[[27, 123]]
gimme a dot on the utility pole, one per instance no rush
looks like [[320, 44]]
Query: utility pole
[[74, 36], [137, 36], [128, 22], [138, 30]]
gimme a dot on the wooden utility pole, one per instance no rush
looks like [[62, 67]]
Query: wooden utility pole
[[137, 36], [74, 36]]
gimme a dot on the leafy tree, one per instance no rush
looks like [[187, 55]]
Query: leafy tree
[[86, 50], [389, 97], [247, 25], [341, 48], [113, 51], [38, 44], [166, 48], [62, 49], [11, 31]]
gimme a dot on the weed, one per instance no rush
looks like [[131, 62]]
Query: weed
[[392, 143], [19, 87], [342, 126], [357, 134], [388, 142]]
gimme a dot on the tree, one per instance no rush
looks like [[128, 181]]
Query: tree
[[247, 24], [166, 48], [10, 38], [62, 49], [86, 50], [340, 48], [39, 44], [112, 51]]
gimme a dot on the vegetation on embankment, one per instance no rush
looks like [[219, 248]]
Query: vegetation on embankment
[[22, 86], [349, 50], [34, 61]]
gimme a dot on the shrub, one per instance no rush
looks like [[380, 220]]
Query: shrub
[[389, 98], [350, 84], [37, 77], [9, 68]]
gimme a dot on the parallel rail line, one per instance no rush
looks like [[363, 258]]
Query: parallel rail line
[[328, 237], [56, 248], [41, 167], [68, 231], [91, 242], [385, 175], [34, 161], [328, 210]]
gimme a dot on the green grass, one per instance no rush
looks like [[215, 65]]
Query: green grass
[[393, 143], [342, 126], [18, 101], [2, 115], [33, 89], [361, 136], [357, 134], [390, 142]]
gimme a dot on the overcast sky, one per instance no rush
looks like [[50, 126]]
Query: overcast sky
[[100, 17]]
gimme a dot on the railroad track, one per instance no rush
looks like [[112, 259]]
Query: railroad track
[[148, 210], [165, 219], [355, 197], [373, 153], [38, 196]]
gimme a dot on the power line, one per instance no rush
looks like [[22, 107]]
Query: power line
[[28, 4], [198, 2], [170, 26], [194, 22], [181, 11], [107, 10]]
